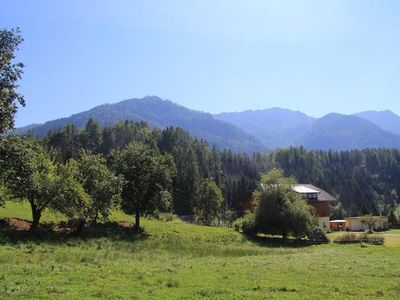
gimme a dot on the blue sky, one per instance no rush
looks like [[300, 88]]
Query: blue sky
[[215, 56]]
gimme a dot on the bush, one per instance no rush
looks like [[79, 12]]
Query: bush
[[228, 218], [246, 224], [238, 224], [349, 238], [317, 235], [163, 216]]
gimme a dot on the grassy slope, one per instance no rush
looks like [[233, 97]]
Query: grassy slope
[[176, 260]]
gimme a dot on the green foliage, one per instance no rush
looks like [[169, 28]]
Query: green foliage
[[394, 216], [31, 173], [164, 216], [187, 180], [146, 176], [10, 73], [100, 183], [364, 181], [246, 224], [3, 195], [280, 210], [91, 137], [317, 235], [66, 141], [210, 201], [349, 238], [72, 199], [371, 221]]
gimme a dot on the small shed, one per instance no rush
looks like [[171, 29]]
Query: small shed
[[337, 225]]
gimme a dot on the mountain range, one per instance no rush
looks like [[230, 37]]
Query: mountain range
[[247, 131]]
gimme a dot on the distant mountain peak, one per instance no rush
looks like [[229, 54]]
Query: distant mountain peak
[[385, 119]]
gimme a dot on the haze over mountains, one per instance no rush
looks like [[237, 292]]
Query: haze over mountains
[[247, 131]]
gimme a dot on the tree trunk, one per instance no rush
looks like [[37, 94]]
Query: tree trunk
[[36, 214], [137, 221], [79, 228], [94, 222]]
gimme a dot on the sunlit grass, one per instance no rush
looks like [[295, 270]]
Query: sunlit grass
[[21, 210], [176, 260]]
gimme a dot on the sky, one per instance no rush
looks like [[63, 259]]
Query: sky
[[210, 55]]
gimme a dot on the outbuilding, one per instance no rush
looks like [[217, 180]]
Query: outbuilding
[[337, 225], [355, 224]]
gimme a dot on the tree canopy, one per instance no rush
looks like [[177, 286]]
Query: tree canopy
[[10, 73], [279, 209], [364, 181], [102, 185], [210, 202], [147, 175]]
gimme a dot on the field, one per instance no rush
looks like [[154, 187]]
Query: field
[[175, 260]]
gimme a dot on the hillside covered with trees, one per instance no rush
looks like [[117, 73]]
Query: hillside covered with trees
[[363, 181]]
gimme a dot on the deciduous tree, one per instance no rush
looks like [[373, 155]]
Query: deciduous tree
[[102, 185], [19, 162], [370, 221], [280, 210], [146, 176], [10, 73], [31, 173]]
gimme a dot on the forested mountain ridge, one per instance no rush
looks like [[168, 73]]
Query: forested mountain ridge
[[247, 131], [159, 113], [345, 132]]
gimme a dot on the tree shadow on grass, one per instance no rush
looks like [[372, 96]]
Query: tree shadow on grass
[[17, 231], [278, 242]]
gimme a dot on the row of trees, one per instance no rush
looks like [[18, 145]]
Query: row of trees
[[86, 188]]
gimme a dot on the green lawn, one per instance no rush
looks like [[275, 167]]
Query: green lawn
[[174, 260]]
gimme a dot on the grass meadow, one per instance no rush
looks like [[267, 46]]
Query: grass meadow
[[175, 260]]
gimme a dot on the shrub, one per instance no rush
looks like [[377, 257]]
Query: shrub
[[163, 216], [348, 238], [246, 224], [238, 224], [228, 218], [317, 235], [167, 217]]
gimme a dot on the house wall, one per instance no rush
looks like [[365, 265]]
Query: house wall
[[322, 209], [356, 225]]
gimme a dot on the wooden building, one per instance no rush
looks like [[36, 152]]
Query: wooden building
[[337, 225], [319, 199]]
